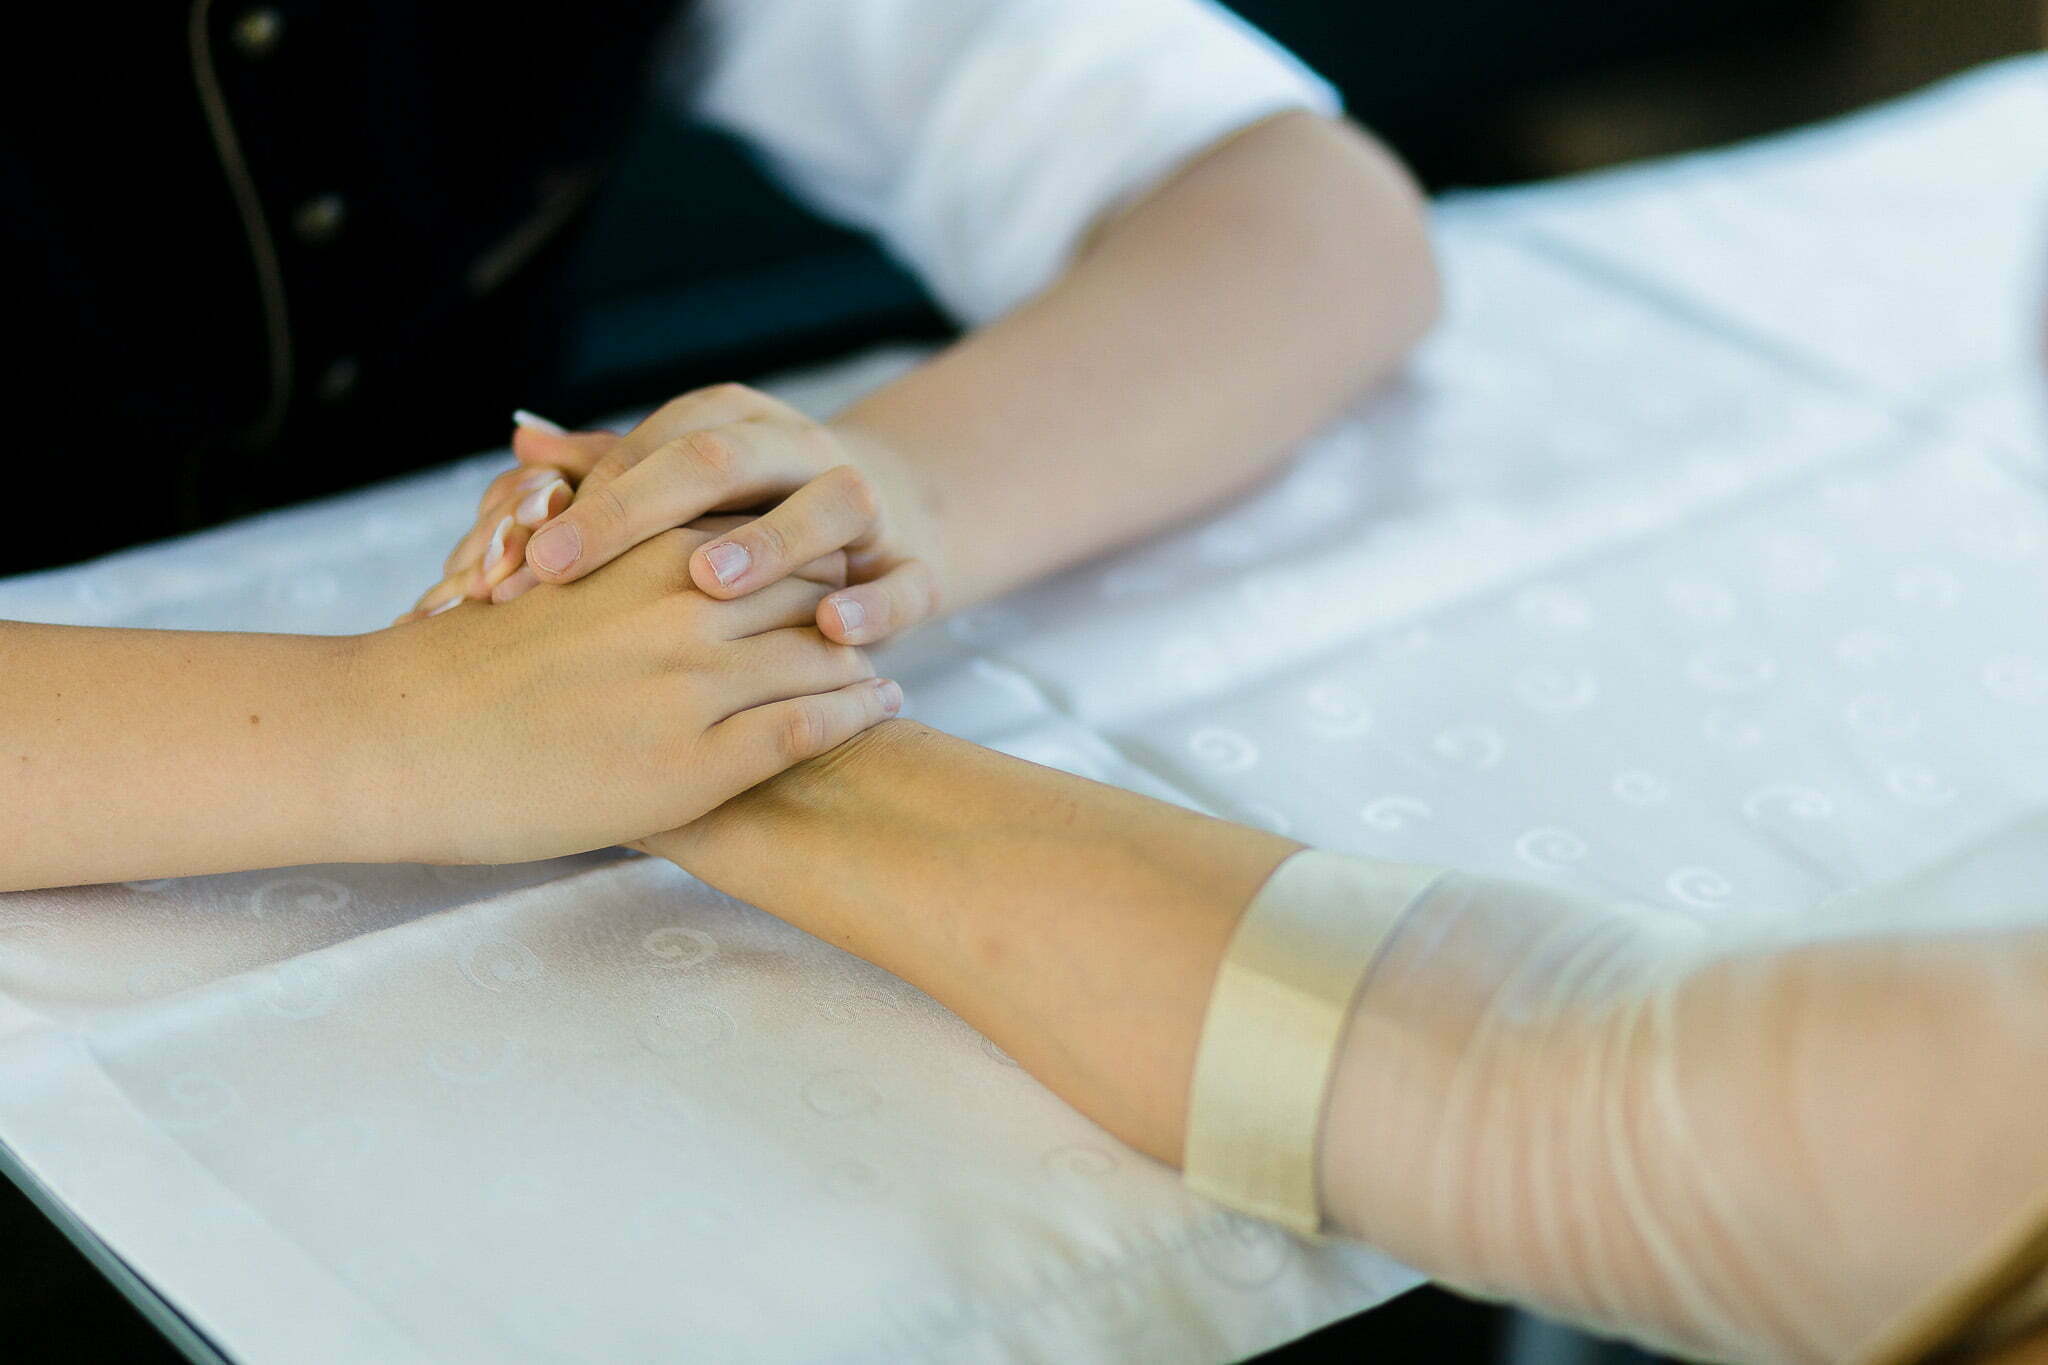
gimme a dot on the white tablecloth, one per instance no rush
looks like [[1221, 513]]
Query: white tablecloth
[[1702, 559]]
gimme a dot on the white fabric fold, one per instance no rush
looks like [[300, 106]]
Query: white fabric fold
[[981, 139]]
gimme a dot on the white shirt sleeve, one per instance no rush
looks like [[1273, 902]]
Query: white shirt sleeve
[[981, 139]]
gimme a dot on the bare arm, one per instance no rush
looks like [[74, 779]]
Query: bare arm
[[1077, 925], [145, 753], [1199, 334], [1747, 1146], [1202, 332], [587, 715]]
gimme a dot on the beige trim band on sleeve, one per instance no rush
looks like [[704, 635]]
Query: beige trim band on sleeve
[[1276, 1016]]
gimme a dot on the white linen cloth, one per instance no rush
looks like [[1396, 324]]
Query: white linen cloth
[[1609, 592], [1938, 311]]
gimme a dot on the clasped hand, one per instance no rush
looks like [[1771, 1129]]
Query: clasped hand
[[576, 501], [601, 711], [713, 652]]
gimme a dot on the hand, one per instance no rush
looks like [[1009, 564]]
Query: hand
[[584, 715], [722, 449]]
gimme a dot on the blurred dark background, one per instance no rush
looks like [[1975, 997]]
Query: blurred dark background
[[696, 269]]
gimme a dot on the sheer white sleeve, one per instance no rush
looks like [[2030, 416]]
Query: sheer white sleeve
[[1720, 1140], [980, 139]]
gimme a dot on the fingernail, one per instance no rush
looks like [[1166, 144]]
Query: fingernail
[[535, 478], [518, 581], [522, 418], [496, 551], [891, 695], [851, 613], [448, 605], [533, 509], [728, 562], [555, 548]]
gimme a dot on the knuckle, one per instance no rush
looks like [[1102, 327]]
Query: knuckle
[[802, 733], [729, 394], [857, 491], [608, 515], [675, 412], [708, 453], [919, 592], [770, 541], [816, 439], [608, 467]]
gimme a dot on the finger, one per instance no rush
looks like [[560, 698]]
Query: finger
[[522, 417], [705, 409], [792, 602], [526, 504], [793, 662], [714, 405], [433, 596], [516, 585], [718, 523], [514, 483], [573, 454], [443, 596], [829, 570], [505, 553], [522, 579], [763, 741], [489, 508], [453, 588], [510, 490], [699, 472], [467, 549], [826, 570], [905, 596], [543, 504], [832, 511]]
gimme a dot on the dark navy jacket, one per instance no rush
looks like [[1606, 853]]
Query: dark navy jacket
[[256, 251]]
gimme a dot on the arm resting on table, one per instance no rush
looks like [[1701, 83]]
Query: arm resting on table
[[150, 753], [1733, 1145], [1077, 925]]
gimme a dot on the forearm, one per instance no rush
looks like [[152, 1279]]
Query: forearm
[[1202, 333], [1076, 925], [136, 753]]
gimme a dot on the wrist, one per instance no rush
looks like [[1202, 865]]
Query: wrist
[[380, 814], [727, 846]]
